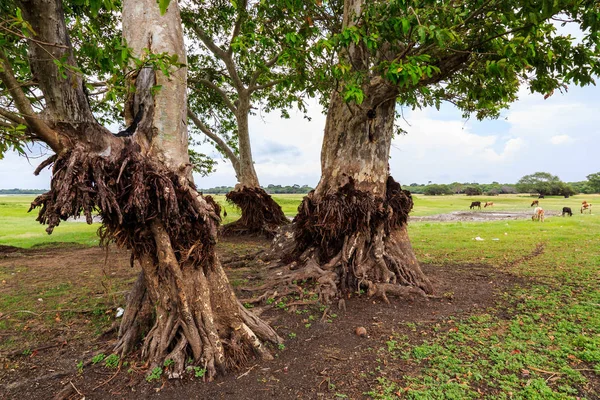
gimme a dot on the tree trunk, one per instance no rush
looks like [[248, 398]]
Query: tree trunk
[[142, 188], [350, 232], [260, 213]]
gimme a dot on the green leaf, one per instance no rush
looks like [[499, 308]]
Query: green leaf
[[163, 5]]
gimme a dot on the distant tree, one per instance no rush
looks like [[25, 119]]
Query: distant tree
[[594, 182], [508, 189], [436, 190], [493, 192], [473, 191], [543, 183]]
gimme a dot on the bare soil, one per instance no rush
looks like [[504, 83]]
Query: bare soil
[[322, 357], [480, 216]]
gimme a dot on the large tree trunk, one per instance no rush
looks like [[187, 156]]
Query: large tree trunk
[[350, 232], [182, 303], [260, 213]]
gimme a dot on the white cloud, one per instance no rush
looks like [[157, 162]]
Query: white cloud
[[561, 139]]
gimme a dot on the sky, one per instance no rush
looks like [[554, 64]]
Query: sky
[[560, 135]]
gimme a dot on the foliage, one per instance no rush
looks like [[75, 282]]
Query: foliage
[[475, 54], [472, 191], [594, 182], [544, 183], [249, 55], [434, 190]]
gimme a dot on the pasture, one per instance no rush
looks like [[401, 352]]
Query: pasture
[[516, 314]]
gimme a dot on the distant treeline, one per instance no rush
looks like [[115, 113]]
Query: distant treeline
[[23, 191], [540, 183], [271, 189]]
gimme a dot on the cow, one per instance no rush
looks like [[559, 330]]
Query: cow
[[584, 202], [475, 204], [567, 210], [488, 204], [586, 206], [538, 214], [541, 196], [535, 203]]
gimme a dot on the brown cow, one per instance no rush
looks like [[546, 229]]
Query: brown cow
[[488, 204], [586, 206], [538, 214], [535, 203]]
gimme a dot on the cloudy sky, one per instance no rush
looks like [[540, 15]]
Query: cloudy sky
[[560, 135]]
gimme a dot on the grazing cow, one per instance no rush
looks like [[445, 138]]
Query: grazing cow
[[567, 210], [541, 196], [535, 203], [584, 202], [488, 204], [586, 206], [475, 204], [538, 214]]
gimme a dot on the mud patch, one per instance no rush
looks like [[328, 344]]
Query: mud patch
[[479, 216]]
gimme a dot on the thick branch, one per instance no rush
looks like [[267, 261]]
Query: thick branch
[[41, 129], [221, 54], [220, 91], [220, 142], [11, 116]]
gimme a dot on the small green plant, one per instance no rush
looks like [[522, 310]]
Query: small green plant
[[307, 325], [97, 358], [199, 372], [112, 361], [270, 300], [248, 305], [281, 346], [80, 367], [292, 335], [27, 352], [154, 374], [168, 362]]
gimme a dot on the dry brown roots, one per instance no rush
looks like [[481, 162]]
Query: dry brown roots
[[182, 304], [347, 242], [261, 215]]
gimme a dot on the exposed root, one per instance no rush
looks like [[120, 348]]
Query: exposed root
[[261, 215], [182, 304], [347, 242]]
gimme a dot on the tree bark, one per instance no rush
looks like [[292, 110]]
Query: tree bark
[[143, 189], [260, 213]]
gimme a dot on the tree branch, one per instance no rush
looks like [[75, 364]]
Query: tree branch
[[220, 142], [267, 66], [41, 129], [238, 25], [11, 116], [221, 54], [265, 85], [217, 89]]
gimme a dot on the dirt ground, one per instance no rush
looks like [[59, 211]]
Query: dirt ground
[[323, 357], [480, 216]]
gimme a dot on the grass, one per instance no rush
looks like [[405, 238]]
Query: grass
[[541, 341]]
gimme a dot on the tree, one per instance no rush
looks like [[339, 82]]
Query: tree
[[473, 191], [141, 184], [436, 190], [542, 183], [350, 233], [248, 55], [594, 182]]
